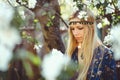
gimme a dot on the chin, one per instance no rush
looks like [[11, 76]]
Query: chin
[[79, 41]]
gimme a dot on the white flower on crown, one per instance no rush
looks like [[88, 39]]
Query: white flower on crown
[[83, 15]]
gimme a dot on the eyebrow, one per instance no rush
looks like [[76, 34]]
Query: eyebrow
[[80, 22], [76, 26]]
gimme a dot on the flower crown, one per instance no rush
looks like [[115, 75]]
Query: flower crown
[[82, 15], [80, 22]]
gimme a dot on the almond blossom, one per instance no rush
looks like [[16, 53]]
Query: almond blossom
[[112, 39], [9, 36], [53, 63]]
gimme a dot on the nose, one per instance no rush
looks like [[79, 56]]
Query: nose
[[76, 32]]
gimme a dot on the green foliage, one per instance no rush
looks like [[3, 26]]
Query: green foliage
[[28, 38], [26, 55], [28, 69], [28, 60], [36, 20], [79, 4], [50, 23], [17, 20], [34, 59], [101, 7], [116, 19], [69, 71]]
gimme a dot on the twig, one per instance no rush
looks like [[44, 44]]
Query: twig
[[9, 3], [62, 19], [22, 4]]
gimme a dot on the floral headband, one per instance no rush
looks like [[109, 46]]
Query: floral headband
[[80, 22], [82, 15]]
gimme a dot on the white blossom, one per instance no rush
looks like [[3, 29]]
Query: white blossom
[[53, 63], [9, 37], [112, 39], [21, 12], [6, 14], [99, 25], [110, 9], [37, 46], [3, 0], [5, 57], [102, 1], [95, 11], [22, 2], [110, 0], [67, 10], [118, 4], [32, 3], [95, 2], [108, 40], [105, 21], [87, 2], [83, 15], [13, 2], [115, 32]]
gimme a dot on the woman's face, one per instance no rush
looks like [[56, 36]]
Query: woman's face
[[78, 30]]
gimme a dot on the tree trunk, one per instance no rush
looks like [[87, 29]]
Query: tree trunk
[[17, 70], [44, 11]]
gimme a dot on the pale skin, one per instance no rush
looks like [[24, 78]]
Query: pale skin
[[78, 31]]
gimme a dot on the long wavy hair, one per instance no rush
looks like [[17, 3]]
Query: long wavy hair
[[88, 45]]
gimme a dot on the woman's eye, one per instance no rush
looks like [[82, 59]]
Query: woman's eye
[[72, 28], [80, 28]]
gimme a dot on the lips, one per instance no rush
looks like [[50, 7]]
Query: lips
[[79, 39]]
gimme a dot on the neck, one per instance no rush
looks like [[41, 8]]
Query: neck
[[79, 45]]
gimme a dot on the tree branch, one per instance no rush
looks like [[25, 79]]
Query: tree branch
[[62, 19]]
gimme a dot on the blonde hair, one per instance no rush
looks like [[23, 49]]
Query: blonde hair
[[88, 46]]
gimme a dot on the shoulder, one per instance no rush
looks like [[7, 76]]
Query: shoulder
[[103, 51], [106, 57]]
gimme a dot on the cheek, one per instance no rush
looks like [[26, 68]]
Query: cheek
[[82, 32], [85, 32]]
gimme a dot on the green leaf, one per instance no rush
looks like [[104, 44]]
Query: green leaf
[[17, 21], [119, 17], [36, 20], [34, 59], [26, 55], [68, 71], [28, 68], [52, 17]]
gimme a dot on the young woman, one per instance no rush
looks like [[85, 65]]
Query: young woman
[[86, 49]]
